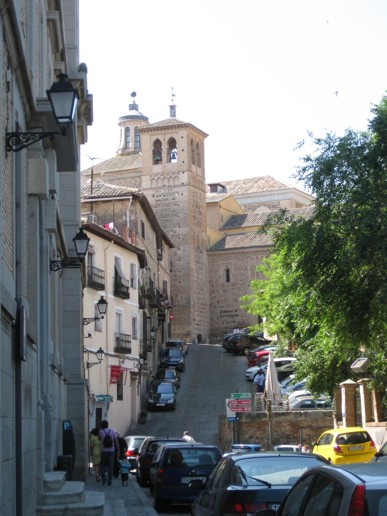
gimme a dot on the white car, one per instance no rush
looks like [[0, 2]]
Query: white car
[[287, 448], [291, 385], [278, 362], [310, 403]]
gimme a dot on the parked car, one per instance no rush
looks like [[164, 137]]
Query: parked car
[[244, 483], [241, 343], [170, 374], [381, 455], [243, 448], [278, 362], [162, 395], [133, 442], [175, 466], [261, 355], [146, 454], [310, 403], [286, 370], [173, 357], [289, 385], [288, 448], [177, 343], [345, 445], [348, 490]]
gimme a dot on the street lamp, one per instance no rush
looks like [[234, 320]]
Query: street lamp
[[100, 354], [81, 243], [63, 99], [102, 309]]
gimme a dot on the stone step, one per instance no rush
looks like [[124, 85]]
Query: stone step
[[69, 492], [92, 505]]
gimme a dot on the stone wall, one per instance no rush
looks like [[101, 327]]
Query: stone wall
[[291, 427]]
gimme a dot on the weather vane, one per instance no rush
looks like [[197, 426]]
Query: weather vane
[[173, 94]]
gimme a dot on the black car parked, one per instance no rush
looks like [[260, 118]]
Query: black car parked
[[162, 395], [170, 374], [173, 357], [146, 453], [241, 342]]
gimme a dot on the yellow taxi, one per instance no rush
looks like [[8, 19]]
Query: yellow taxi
[[345, 445]]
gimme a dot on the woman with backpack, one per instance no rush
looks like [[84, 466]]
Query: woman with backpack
[[109, 449]]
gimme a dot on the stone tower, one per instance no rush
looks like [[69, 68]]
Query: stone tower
[[130, 142], [173, 179]]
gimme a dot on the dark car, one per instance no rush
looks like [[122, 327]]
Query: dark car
[[133, 443], [146, 453], [177, 343], [347, 490], [173, 357], [175, 466], [170, 374], [241, 343], [245, 483], [381, 455], [162, 395]]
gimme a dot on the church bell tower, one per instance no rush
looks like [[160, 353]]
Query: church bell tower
[[173, 179]]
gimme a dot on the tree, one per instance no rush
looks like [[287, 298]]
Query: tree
[[325, 285]]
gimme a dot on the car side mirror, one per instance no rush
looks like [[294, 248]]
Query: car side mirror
[[379, 454], [314, 444]]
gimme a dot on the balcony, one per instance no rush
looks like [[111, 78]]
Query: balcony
[[123, 343], [95, 278], [121, 287]]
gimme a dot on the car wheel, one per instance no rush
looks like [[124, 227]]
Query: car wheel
[[158, 504]]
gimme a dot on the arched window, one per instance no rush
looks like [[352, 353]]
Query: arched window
[[198, 160], [137, 145], [192, 153], [228, 276], [172, 151], [127, 137], [157, 152]]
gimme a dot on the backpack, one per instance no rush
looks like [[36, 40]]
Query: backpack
[[107, 440]]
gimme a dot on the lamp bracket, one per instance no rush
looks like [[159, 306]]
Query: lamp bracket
[[91, 364], [56, 265], [89, 320], [17, 141]]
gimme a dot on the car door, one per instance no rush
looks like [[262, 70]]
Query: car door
[[206, 503]]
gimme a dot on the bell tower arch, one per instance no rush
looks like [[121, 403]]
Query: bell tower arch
[[173, 179]]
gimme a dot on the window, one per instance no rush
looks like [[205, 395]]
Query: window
[[134, 328], [127, 137], [192, 153], [142, 229], [198, 160], [228, 276], [133, 275], [137, 143], [120, 389], [119, 321], [157, 152], [172, 150]]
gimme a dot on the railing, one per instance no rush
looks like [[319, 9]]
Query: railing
[[121, 287], [95, 278], [123, 343]]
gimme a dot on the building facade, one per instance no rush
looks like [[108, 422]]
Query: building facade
[[42, 391]]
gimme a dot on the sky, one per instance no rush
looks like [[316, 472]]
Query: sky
[[255, 75]]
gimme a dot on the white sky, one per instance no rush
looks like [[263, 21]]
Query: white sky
[[255, 75]]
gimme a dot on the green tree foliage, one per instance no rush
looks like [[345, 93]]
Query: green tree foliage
[[325, 285]]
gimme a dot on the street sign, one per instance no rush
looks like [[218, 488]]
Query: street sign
[[238, 405], [239, 395]]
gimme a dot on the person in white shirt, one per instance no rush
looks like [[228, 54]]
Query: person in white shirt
[[187, 437]]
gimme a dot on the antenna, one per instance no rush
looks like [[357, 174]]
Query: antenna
[[92, 174], [173, 95]]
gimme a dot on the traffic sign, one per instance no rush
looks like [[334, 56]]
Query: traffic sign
[[239, 395], [236, 405]]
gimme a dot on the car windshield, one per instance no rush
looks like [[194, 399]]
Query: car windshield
[[192, 457], [173, 352], [275, 470], [164, 388]]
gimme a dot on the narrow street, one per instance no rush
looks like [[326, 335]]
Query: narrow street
[[211, 375]]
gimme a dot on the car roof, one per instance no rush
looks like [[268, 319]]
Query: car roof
[[274, 454], [345, 430], [368, 472]]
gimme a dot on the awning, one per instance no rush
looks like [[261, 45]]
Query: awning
[[115, 372]]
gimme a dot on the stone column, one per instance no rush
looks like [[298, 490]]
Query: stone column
[[348, 404], [365, 402], [337, 415]]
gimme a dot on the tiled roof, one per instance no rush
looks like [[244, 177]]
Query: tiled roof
[[243, 240], [216, 197], [253, 184], [170, 122], [116, 164], [246, 220], [106, 190]]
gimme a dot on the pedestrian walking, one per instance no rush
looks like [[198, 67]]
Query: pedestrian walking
[[259, 381], [188, 437], [124, 471], [95, 452], [109, 451]]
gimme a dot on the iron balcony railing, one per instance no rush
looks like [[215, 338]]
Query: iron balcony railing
[[123, 343], [95, 278], [121, 287]]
